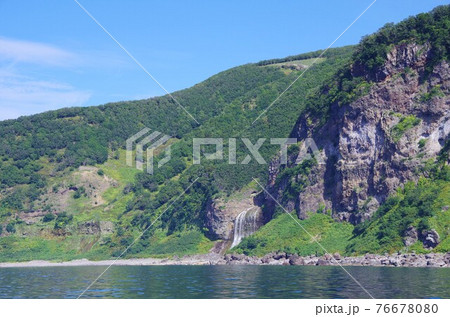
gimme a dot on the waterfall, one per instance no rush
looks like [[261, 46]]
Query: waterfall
[[245, 224]]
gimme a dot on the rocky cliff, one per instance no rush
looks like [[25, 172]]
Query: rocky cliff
[[221, 214], [372, 145]]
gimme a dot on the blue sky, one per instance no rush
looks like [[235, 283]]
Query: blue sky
[[52, 55]]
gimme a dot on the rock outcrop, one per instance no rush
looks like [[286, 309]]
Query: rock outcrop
[[96, 227], [388, 260], [430, 239], [221, 215], [376, 143], [411, 236]]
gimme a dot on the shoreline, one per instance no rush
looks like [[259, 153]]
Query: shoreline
[[371, 260]]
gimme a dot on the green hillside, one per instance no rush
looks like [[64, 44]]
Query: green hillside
[[67, 193], [45, 155]]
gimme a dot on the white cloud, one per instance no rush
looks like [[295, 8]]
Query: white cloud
[[25, 67], [36, 53], [21, 95]]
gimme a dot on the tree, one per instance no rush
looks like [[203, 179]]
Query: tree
[[10, 228], [48, 217]]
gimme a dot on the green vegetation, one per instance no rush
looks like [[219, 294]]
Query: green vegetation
[[306, 56], [420, 206], [10, 228], [48, 217], [62, 220], [286, 235], [69, 164], [435, 91], [422, 143], [404, 125], [423, 205], [431, 28]]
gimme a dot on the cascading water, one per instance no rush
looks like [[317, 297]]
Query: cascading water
[[245, 224]]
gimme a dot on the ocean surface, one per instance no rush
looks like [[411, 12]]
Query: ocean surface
[[224, 282]]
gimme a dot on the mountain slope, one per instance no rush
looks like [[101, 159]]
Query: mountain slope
[[379, 113], [386, 122], [65, 181]]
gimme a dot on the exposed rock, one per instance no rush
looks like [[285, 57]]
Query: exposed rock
[[220, 247], [323, 261], [89, 227], [293, 66], [221, 214], [430, 239], [411, 236], [447, 258], [106, 227], [61, 195], [363, 161], [296, 260], [96, 227], [328, 257], [279, 256], [237, 257]]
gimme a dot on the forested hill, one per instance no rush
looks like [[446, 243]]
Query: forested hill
[[66, 191], [49, 162]]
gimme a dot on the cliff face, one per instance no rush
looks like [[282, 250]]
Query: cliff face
[[222, 212], [376, 143]]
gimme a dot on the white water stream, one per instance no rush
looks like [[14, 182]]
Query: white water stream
[[245, 224]]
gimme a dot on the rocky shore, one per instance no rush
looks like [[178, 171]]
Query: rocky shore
[[387, 260]]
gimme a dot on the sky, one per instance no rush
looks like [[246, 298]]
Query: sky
[[53, 55]]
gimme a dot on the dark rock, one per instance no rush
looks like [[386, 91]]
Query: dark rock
[[296, 260], [447, 258], [237, 257], [430, 239], [322, 261], [328, 257], [89, 227], [279, 256], [337, 256], [394, 262]]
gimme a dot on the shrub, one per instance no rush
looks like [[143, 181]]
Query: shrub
[[62, 220], [424, 225], [10, 228], [422, 143], [48, 217], [435, 91], [80, 191], [404, 125]]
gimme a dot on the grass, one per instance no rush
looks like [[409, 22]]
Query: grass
[[285, 235], [441, 221], [118, 170], [304, 63], [405, 124], [425, 200], [435, 91], [20, 249], [180, 244]]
